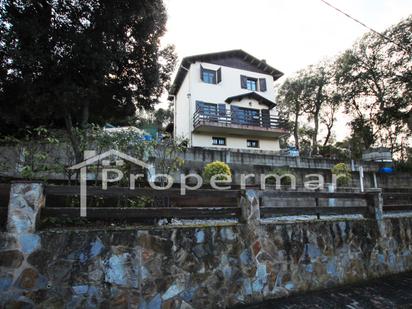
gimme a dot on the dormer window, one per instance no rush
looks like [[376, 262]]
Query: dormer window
[[210, 76]]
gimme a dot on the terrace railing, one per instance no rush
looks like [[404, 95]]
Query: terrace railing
[[239, 118]]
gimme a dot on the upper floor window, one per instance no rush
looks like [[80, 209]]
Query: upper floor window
[[253, 84], [210, 76]]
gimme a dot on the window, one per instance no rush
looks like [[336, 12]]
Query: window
[[251, 143], [219, 141], [210, 76], [251, 84]]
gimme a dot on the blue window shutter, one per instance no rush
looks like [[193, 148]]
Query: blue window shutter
[[262, 84], [199, 106], [243, 82], [201, 73], [265, 118], [219, 75], [235, 113]]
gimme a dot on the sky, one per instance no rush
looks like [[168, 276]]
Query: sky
[[289, 34]]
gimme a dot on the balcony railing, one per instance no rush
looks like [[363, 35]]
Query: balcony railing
[[237, 118]]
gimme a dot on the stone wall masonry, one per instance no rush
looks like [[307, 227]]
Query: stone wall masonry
[[196, 267], [199, 266]]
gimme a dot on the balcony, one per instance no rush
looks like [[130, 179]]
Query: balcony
[[238, 123]]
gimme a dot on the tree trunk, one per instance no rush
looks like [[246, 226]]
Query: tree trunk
[[85, 115], [315, 133], [296, 131], [72, 137], [329, 128], [318, 104]]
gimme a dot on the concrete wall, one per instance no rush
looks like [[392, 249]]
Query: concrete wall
[[191, 267], [245, 161]]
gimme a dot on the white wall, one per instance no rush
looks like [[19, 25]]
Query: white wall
[[182, 121], [228, 87], [238, 142]]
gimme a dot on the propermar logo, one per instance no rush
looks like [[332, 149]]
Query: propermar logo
[[217, 182], [90, 158]]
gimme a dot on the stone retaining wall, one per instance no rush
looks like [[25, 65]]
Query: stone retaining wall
[[195, 267], [189, 266]]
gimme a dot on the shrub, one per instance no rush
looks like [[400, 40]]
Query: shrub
[[342, 170], [403, 166], [285, 181], [216, 168]]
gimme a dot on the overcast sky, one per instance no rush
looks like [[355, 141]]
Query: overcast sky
[[289, 34]]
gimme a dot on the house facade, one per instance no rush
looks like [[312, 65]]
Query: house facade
[[226, 100]]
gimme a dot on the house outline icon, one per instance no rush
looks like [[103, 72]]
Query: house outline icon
[[95, 158], [90, 158]]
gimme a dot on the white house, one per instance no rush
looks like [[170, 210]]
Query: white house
[[226, 100]]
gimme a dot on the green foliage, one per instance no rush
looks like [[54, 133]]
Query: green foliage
[[32, 153], [281, 171], [216, 168], [372, 81], [64, 221], [66, 64], [342, 170], [312, 94], [373, 78], [157, 119], [165, 153], [139, 202], [403, 166], [335, 152]]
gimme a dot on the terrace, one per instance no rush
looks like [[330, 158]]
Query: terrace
[[239, 122]]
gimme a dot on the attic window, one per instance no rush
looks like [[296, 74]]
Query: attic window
[[210, 76]]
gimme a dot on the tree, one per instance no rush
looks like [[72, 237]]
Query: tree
[[71, 63], [289, 100], [157, 119], [311, 93], [316, 79], [374, 80]]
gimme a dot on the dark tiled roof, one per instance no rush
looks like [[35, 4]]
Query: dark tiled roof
[[252, 95]]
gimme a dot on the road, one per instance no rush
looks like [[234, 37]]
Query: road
[[388, 292]]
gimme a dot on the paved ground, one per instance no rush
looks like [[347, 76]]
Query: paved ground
[[388, 292]]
